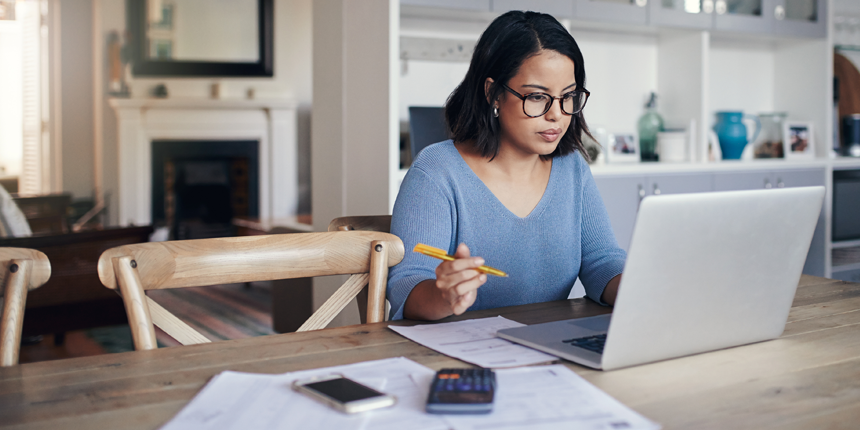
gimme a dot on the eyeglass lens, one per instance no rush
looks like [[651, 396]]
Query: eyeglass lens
[[539, 104]]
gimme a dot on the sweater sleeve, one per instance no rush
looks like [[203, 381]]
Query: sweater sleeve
[[602, 258], [423, 213]]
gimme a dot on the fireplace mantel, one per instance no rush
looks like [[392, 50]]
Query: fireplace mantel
[[272, 123]]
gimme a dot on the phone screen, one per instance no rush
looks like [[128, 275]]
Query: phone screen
[[343, 390]]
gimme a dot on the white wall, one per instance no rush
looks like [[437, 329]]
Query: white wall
[[292, 79], [741, 76], [621, 70], [355, 127], [11, 132], [77, 107]]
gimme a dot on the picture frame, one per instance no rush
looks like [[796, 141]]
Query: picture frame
[[161, 49], [621, 148], [798, 142]]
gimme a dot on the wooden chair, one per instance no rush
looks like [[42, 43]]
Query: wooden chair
[[132, 269], [361, 223], [364, 223], [22, 270]]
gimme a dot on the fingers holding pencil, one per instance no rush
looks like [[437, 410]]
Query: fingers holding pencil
[[458, 280], [440, 254]]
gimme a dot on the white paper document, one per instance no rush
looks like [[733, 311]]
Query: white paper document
[[551, 397], [475, 341], [541, 397], [234, 400]]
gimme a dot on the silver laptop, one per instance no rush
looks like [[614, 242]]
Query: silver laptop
[[704, 272]]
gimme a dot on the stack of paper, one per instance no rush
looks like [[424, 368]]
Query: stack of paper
[[234, 400], [475, 341], [540, 397]]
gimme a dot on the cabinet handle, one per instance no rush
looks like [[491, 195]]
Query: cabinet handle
[[721, 7], [779, 183], [641, 3], [656, 190], [641, 192], [767, 184], [779, 12], [707, 6]]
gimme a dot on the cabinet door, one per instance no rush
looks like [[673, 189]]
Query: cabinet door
[[680, 183], [807, 178], [621, 11], [682, 13], [742, 16], [556, 8], [799, 178], [805, 18], [621, 195], [733, 181], [479, 5]]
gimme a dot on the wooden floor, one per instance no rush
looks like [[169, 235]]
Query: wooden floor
[[77, 344], [221, 312]]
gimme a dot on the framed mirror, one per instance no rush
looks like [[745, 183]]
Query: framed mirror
[[201, 37]]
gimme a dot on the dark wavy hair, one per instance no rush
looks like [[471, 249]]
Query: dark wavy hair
[[505, 45]]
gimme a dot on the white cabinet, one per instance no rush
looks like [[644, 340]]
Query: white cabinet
[[474, 5], [801, 18], [622, 194], [557, 8], [616, 11], [682, 13], [747, 16]]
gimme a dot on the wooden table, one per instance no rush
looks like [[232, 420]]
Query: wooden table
[[807, 379]]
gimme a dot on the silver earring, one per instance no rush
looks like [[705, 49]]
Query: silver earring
[[495, 111]]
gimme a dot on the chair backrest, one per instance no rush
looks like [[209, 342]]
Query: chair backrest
[[381, 223], [132, 269], [22, 270], [361, 223]]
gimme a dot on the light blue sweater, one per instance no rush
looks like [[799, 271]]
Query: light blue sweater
[[442, 203]]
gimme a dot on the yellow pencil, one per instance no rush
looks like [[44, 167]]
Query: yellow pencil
[[440, 254]]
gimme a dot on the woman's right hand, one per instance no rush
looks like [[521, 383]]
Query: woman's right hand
[[458, 281]]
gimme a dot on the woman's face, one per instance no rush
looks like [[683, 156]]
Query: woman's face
[[547, 72]]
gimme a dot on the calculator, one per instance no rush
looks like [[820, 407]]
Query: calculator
[[462, 391]]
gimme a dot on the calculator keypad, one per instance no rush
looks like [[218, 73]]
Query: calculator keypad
[[465, 380]]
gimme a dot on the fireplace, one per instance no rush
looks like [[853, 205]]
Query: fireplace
[[270, 124], [198, 187]]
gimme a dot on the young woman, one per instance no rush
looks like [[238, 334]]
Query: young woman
[[511, 189]]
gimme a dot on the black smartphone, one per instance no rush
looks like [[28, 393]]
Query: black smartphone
[[343, 393]]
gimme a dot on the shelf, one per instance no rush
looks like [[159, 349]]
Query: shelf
[[846, 244], [846, 268], [845, 257], [855, 48]]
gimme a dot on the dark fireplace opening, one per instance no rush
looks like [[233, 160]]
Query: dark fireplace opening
[[198, 187]]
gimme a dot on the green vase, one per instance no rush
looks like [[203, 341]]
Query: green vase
[[650, 123]]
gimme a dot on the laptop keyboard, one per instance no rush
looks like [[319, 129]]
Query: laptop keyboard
[[592, 343]]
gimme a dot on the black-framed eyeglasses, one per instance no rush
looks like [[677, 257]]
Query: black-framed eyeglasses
[[537, 104]]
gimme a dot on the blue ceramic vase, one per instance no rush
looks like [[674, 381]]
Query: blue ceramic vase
[[732, 133]]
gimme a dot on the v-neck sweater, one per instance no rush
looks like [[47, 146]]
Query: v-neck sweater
[[443, 203]]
